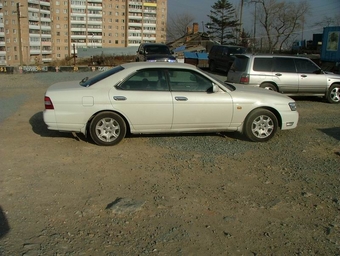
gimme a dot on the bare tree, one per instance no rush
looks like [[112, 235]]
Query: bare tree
[[328, 21], [177, 25], [280, 20]]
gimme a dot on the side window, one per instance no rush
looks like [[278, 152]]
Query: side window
[[284, 65], [188, 81], [306, 66], [146, 80], [263, 64]]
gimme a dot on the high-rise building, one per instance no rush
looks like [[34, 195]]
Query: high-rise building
[[40, 31]]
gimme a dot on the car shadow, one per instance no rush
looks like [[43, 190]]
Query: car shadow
[[40, 128], [332, 132], [4, 226], [309, 98], [230, 135]]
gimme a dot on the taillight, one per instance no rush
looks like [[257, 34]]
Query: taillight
[[244, 79], [48, 103]]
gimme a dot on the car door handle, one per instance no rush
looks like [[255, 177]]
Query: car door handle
[[303, 75], [119, 98], [278, 74], [180, 98]]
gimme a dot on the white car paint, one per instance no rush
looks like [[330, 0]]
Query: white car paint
[[161, 111]]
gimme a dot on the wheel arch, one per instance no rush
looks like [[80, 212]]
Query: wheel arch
[[271, 109], [272, 83]]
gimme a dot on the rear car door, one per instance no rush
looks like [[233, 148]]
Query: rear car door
[[284, 72], [145, 100], [196, 107], [311, 78]]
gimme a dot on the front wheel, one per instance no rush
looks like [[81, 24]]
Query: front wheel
[[260, 125], [333, 94], [107, 129]]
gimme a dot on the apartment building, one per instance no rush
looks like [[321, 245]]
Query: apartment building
[[40, 31]]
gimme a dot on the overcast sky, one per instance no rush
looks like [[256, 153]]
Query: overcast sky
[[201, 8]]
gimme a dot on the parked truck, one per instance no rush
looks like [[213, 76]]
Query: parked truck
[[330, 50]]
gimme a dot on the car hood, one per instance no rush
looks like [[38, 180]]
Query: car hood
[[246, 93], [331, 75]]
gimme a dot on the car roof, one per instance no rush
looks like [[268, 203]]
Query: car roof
[[270, 55], [139, 65], [146, 44], [230, 46]]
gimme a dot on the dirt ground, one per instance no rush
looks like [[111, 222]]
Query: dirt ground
[[197, 194]]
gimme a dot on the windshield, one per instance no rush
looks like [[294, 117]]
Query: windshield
[[86, 82], [157, 49]]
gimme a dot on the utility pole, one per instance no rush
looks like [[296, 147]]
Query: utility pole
[[241, 14], [19, 34]]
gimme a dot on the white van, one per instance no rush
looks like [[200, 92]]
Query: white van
[[290, 75]]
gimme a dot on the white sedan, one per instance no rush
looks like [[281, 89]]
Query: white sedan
[[154, 98]]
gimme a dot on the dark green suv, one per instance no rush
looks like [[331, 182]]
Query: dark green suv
[[222, 56]]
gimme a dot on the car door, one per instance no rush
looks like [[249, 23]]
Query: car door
[[145, 100], [196, 107], [311, 78], [285, 75]]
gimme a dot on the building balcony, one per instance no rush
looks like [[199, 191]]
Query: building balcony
[[33, 1], [46, 59], [33, 10], [45, 19], [139, 25], [45, 3], [35, 18], [35, 52], [45, 28]]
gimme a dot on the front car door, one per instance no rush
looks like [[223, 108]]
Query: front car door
[[311, 78], [196, 107], [145, 100]]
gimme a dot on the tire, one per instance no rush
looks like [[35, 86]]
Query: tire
[[269, 86], [212, 66], [107, 129], [333, 94], [260, 125]]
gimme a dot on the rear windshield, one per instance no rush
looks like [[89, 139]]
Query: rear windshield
[[240, 64], [86, 82]]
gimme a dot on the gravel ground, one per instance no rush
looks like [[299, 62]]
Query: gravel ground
[[202, 194]]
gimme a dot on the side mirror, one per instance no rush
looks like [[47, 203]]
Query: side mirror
[[215, 88]]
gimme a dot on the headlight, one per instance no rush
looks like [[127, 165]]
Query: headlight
[[292, 106]]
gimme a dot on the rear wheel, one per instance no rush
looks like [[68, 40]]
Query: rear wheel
[[260, 125], [333, 94], [107, 129], [269, 86]]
